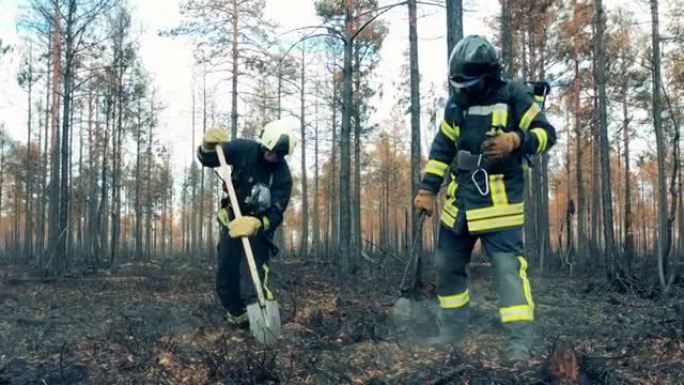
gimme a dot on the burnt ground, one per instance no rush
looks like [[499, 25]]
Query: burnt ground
[[145, 325]]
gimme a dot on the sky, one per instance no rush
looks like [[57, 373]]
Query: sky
[[170, 62]]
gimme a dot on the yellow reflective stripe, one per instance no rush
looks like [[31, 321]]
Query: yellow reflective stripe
[[223, 217], [497, 189], [489, 212], [538, 98], [447, 219], [520, 312], [529, 116], [454, 301], [451, 187], [542, 139], [526, 282], [269, 294], [500, 115], [450, 207], [496, 119], [450, 132], [266, 223], [496, 223], [517, 313], [436, 167]]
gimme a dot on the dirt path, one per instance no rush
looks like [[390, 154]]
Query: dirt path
[[146, 327]]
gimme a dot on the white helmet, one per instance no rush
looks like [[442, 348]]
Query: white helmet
[[277, 136]]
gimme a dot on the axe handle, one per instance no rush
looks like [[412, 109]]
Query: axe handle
[[225, 171]]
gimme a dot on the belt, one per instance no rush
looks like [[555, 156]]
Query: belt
[[477, 164], [467, 161]]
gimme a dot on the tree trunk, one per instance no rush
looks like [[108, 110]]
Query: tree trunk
[[506, 37], [28, 228], [415, 126], [543, 213], [193, 195], [117, 138], [356, 200], [333, 206], [42, 223], [627, 225], [304, 238], [202, 196], [148, 196], [235, 71], [595, 241], [604, 152], [663, 232], [69, 61], [581, 210], [102, 221], [345, 191], [53, 266], [138, 187], [316, 247], [92, 178], [454, 18]]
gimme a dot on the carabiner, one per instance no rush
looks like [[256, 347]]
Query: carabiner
[[486, 181]]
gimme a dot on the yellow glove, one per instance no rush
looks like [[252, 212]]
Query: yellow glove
[[425, 201], [244, 226], [500, 145], [214, 136]]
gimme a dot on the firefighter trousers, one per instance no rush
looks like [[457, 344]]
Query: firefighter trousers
[[505, 251], [233, 280]]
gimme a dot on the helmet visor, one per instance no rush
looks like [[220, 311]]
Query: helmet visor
[[464, 82]]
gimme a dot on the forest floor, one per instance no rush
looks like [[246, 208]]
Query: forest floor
[[143, 325]]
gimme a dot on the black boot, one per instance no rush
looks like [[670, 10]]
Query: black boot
[[453, 327], [519, 336]]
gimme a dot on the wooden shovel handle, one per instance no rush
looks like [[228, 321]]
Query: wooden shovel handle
[[225, 172]]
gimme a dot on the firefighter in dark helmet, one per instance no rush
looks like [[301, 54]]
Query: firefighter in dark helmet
[[491, 125]]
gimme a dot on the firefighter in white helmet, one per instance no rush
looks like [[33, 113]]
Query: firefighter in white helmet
[[263, 184]]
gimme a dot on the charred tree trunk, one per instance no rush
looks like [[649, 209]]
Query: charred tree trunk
[[28, 225], [604, 145], [304, 239], [138, 187], [506, 37], [415, 124], [356, 200], [579, 146], [235, 70], [345, 133], [53, 263], [148, 197], [627, 225], [663, 231], [316, 247]]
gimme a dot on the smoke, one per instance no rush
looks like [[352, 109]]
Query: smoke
[[414, 320]]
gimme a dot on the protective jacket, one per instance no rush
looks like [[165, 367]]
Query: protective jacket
[[249, 168], [489, 197]]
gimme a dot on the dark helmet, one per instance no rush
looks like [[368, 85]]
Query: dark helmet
[[471, 59]]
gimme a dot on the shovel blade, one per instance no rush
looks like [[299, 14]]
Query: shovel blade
[[264, 322]]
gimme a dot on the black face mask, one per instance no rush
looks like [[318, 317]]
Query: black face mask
[[478, 91]]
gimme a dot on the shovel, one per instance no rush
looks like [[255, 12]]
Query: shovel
[[408, 305], [409, 282], [264, 316]]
